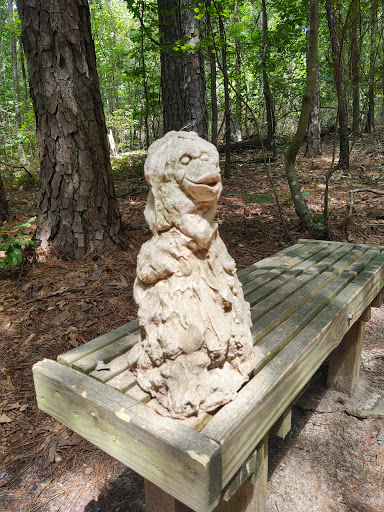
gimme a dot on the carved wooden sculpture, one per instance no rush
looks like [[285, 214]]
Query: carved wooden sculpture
[[196, 345]]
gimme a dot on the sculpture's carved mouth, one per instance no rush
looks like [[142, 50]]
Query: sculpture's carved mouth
[[205, 190]]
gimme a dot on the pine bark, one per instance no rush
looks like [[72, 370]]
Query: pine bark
[[338, 70], [77, 205], [291, 154], [182, 71]]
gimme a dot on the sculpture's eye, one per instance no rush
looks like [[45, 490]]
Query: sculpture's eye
[[204, 157], [185, 159]]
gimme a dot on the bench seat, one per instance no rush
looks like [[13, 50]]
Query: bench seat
[[308, 302]]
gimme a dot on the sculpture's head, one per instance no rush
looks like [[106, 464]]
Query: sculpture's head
[[184, 175]]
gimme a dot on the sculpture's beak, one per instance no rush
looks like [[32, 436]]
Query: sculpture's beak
[[206, 190]]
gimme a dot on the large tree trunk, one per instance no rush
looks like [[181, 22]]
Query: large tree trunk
[[355, 63], [291, 154], [338, 69], [182, 71], [271, 120], [4, 212], [77, 206]]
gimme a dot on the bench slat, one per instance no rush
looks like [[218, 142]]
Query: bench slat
[[183, 462], [276, 340], [273, 310], [122, 345], [265, 289], [278, 266], [83, 350], [240, 425], [291, 251]]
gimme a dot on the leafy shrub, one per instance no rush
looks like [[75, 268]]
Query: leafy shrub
[[12, 241]]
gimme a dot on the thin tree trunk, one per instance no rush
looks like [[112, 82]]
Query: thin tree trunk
[[313, 147], [224, 63], [213, 79], [182, 72], [15, 73], [145, 85], [23, 76], [291, 154], [355, 62], [77, 206], [370, 125], [239, 105], [270, 111], [214, 110], [338, 67], [4, 212]]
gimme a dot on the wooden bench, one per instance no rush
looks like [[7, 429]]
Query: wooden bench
[[308, 301]]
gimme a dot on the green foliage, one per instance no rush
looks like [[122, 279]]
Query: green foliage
[[319, 222], [266, 197], [12, 241]]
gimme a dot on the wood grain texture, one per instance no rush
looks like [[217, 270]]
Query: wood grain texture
[[84, 350], [240, 425], [178, 459], [283, 424], [157, 500], [251, 495], [344, 361]]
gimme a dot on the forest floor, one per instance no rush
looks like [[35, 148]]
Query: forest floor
[[332, 460]]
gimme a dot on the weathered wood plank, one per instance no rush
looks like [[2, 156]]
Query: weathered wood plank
[[116, 366], [293, 250], [251, 496], [138, 394], [287, 277], [250, 467], [281, 273], [378, 300], [118, 347], [344, 361], [73, 355], [181, 461], [157, 500], [294, 293], [123, 381], [276, 340], [331, 242], [240, 425], [283, 425]]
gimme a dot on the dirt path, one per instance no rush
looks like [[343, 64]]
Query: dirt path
[[330, 461]]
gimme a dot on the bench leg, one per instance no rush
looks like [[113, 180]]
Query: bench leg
[[252, 494], [157, 500], [344, 362]]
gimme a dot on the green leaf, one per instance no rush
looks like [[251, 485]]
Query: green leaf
[[13, 255]]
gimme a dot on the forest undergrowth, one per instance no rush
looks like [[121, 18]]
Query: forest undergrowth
[[50, 306]]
